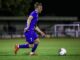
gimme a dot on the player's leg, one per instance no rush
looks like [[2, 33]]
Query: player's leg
[[36, 43], [29, 45], [18, 46]]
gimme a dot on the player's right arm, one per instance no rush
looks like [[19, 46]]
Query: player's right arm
[[41, 32], [28, 23]]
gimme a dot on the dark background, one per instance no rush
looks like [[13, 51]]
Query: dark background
[[60, 8], [50, 8], [22, 8]]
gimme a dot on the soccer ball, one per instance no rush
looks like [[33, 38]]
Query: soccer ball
[[62, 51]]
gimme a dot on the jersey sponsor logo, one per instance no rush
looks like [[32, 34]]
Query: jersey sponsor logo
[[31, 39]]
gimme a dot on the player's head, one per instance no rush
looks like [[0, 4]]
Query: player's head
[[38, 6]]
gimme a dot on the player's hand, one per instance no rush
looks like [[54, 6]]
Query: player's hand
[[25, 29], [43, 34]]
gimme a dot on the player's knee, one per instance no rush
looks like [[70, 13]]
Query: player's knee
[[37, 41], [31, 45]]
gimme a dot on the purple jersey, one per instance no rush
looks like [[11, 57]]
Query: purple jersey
[[34, 20]]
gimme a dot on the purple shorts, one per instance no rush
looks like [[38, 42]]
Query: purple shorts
[[31, 36]]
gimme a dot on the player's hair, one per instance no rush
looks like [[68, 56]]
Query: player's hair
[[37, 4]]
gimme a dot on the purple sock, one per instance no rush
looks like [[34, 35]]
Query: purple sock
[[34, 48], [24, 46]]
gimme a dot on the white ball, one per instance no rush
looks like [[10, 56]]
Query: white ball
[[62, 51]]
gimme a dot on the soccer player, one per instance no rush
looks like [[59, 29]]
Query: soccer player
[[29, 31]]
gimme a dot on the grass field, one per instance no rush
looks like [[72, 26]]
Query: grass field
[[47, 50]]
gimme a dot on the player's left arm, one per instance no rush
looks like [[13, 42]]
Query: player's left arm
[[38, 29]]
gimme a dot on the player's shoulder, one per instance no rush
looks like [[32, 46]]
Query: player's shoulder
[[33, 13]]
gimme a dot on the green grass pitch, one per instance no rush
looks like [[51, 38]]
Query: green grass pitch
[[47, 49]]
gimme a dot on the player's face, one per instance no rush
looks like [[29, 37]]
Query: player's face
[[40, 9]]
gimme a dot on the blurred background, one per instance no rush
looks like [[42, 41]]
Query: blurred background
[[58, 18]]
